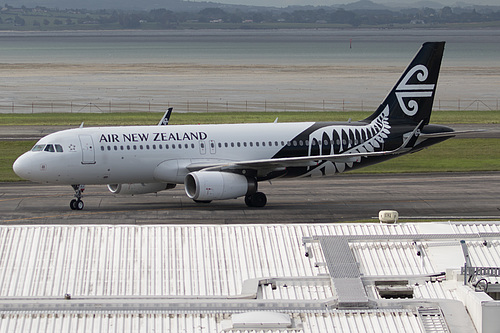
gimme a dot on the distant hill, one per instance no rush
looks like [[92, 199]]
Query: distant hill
[[364, 5], [195, 6], [174, 5], [180, 5]]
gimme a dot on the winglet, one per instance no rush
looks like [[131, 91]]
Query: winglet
[[166, 117]]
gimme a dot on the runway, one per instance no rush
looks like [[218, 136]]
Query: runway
[[343, 198]]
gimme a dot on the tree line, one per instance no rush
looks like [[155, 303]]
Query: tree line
[[169, 19]]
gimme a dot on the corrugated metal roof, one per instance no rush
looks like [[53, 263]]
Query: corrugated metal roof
[[158, 263], [155, 260], [396, 320]]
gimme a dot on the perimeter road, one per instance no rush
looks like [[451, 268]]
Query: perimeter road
[[347, 197]]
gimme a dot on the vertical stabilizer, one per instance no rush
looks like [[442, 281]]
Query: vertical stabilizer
[[411, 99]]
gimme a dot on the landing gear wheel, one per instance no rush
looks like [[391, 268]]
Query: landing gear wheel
[[76, 204], [258, 199], [79, 205]]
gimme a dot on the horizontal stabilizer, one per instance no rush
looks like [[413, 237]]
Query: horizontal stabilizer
[[447, 134]]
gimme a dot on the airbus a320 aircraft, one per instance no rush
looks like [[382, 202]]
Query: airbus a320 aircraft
[[217, 162]]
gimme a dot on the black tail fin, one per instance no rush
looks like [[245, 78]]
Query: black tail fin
[[411, 99]]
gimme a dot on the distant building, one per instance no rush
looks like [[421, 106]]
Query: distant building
[[417, 22]]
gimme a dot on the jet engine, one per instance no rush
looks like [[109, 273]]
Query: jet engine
[[140, 188], [214, 185]]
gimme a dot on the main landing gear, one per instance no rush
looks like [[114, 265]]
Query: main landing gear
[[77, 204], [257, 199]]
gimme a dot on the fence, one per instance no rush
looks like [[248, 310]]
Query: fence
[[229, 106]]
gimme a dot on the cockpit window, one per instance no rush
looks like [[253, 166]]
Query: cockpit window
[[49, 148], [38, 148]]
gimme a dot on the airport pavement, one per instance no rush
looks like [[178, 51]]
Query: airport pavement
[[349, 197], [37, 132]]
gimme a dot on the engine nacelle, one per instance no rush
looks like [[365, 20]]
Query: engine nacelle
[[214, 185], [140, 188]]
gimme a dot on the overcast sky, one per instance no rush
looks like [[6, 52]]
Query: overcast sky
[[285, 3]]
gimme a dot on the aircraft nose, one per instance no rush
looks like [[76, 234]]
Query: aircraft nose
[[22, 167]]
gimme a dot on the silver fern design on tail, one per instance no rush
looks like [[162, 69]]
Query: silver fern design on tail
[[347, 140], [406, 90]]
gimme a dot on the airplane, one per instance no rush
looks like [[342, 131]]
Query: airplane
[[226, 161]]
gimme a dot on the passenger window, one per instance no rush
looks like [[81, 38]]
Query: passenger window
[[49, 148], [102, 148]]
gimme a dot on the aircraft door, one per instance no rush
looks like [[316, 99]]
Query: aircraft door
[[88, 152]]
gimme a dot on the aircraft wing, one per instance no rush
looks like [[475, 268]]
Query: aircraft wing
[[275, 163]]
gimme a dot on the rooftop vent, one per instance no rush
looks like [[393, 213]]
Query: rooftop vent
[[260, 320], [394, 289], [388, 216]]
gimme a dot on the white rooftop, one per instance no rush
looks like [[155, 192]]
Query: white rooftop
[[210, 278]]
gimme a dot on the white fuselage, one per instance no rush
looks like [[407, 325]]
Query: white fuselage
[[130, 154]]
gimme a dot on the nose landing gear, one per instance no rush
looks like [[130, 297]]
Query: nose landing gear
[[77, 204]]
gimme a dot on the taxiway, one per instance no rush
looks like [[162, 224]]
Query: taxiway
[[348, 197]]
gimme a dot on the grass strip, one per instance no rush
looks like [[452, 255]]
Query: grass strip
[[152, 118]]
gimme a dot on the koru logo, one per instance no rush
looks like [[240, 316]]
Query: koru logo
[[405, 90]]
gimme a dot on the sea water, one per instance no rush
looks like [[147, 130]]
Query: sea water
[[242, 47]]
